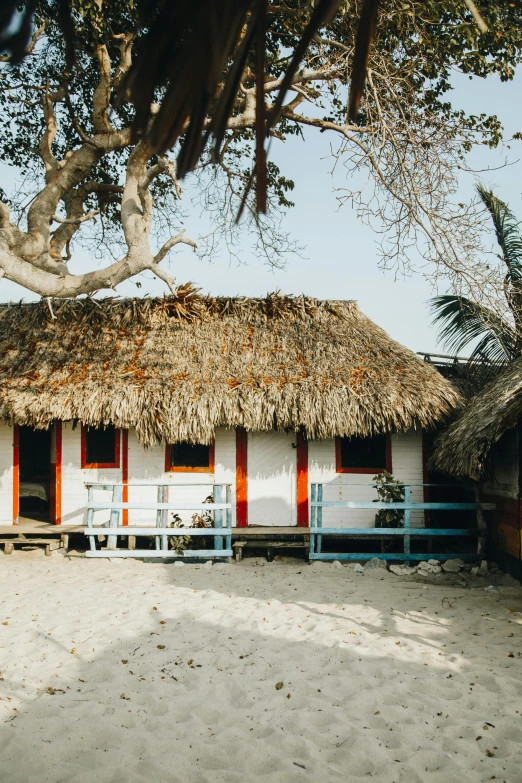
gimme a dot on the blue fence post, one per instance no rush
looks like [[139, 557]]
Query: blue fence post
[[90, 515], [164, 516], [159, 518], [228, 501], [407, 520], [114, 519], [218, 515], [319, 517]]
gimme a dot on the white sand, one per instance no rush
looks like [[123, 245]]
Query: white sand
[[382, 677]]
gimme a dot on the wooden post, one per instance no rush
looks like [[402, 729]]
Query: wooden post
[[302, 480], [241, 478], [125, 473], [16, 473], [157, 542], [313, 518], [163, 515], [112, 541], [58, 474], [228, 498], [90, 516], [481, 524], [218, 515], [319, 546], [407, 520]]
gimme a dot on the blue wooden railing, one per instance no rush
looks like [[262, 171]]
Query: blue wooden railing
[[222, 533], [317, 531]]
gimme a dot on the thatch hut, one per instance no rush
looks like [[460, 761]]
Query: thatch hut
[[265, 394], [484, 443]]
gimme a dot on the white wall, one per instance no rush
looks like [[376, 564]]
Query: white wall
[[148, 466], [6, 473], [406, 466], [145, 466], [74, 493]]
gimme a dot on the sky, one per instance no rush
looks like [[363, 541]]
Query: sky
[[340, 258]]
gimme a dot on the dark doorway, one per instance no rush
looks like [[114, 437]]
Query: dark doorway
[[35, 473]]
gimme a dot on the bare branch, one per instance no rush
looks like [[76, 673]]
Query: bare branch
[[170, 243], [74, 221]]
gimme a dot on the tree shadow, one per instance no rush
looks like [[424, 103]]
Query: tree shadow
[[174, 674]]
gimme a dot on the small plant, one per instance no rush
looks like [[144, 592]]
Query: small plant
[[388, 491], [181, 543]]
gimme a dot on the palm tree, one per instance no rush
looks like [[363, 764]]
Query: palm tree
[[462, 321]]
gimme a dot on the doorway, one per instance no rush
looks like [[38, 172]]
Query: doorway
[[272, 476], [34, 474]]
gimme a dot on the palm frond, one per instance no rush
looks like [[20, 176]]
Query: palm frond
[[460, 322], [507, 230]]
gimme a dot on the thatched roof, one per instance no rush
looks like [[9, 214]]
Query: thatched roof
[[176, 368], [462, 449]]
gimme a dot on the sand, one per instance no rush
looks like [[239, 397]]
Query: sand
[[126, 672]]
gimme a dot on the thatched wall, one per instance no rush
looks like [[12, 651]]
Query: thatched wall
[[462, 449], [176, 368]]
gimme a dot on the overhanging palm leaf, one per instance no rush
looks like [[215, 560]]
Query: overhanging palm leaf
[[507, 229], [462, 321]]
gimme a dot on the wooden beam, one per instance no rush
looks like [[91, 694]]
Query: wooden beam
[[16, 473], [241, 478], [58, 475], [302, 480], [125, 472]]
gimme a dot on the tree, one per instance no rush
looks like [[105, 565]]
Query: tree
[[72, 133], [498, 330]]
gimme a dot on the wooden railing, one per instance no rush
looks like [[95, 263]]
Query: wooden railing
[[317, 531], [221, 530]]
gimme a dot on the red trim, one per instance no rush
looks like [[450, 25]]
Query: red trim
[[16, 473], [302, 480], [372, 471], [241, 478], [115, 464], [178, 469], [125, 472], [57, 482]]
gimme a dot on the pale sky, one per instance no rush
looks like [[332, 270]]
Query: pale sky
[[340, 257]]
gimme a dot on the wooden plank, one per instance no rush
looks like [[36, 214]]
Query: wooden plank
[[156, 506], [153, 553], [104, 485], [389, 556], [45, 529], [403, 506], [394, 531], [130, 530]]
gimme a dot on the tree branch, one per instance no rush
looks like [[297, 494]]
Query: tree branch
[[170, 243]]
